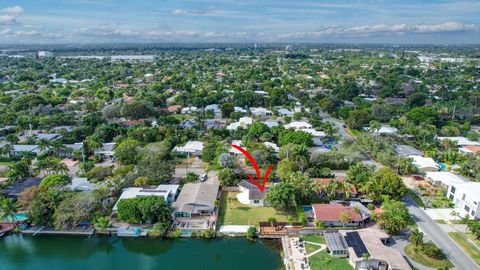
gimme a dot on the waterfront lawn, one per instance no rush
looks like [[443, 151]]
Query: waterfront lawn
[[323, 261], [466, 246], [421, 258], [315, 238], [232, 212]]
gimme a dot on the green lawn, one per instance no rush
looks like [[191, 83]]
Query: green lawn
[[466, 246], [425, 260], [323, 261], [232, 212], [475, 240], [440, 221], [315, 239]]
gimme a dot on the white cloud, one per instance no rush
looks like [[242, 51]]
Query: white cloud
[[194, 12], [7, 19], [16, 10]]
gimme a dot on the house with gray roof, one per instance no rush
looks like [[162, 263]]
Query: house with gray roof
[[250, 194], [197, 199]]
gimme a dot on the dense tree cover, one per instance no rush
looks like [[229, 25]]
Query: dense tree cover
[[394, 217], [55, 180], [291, 192], [127, 151], [148, 209], [385, 182]]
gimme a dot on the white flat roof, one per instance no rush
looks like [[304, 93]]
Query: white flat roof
[[423, 162], [460, 141], [447, 178], [161, 190], [298, 125]]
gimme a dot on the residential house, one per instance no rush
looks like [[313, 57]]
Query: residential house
[[383, 130], [168, 192], [466, 197], [250, 194], [259, 111], [214, 123], [459, 141], [298, 125], [371, 241], [285, 112], [189, 110], [424, 164], [271, 123], [243, 122], [191, 148], [445, 179], [331, 215], [106, 150], [81, 184], [406, 150], [239, 109], [469, 149], [336, 245], [197, 199]]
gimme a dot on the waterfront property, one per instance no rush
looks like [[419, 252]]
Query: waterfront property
[[197, 199], [168, 192], [337, 215], [250, 194]]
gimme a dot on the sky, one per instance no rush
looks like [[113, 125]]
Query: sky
[[141, 21]]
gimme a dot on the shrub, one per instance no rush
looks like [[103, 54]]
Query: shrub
[[251, 233], [55, 180]]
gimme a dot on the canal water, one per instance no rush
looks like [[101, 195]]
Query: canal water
[[43, 252]]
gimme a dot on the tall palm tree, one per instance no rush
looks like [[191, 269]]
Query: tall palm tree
[[102, 224], [8, 209]]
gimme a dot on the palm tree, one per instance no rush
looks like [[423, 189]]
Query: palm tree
[[8, 209], [43, 145], [365, 257], [102, 224], [455, 214], [416, 238]]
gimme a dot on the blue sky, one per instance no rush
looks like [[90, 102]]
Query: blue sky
[[99, 21]]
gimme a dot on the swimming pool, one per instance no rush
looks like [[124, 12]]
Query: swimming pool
[[18, 217], [307, 208]]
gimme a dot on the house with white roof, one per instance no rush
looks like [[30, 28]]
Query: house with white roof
[[250, 194], [188, 110], [259, 111], [191, 147], [81, 184], [106, 150], [273, 146], [460, 141], [285, 112], [383, 130], [239, 109], [168, 192], [466, 197], [271, 123], [445, 179], [243, 122], [298, 125], [234, 151], [424, 164]]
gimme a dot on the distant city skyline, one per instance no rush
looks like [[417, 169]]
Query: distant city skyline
[[343, 21]]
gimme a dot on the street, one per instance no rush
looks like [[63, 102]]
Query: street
[[456, 255]]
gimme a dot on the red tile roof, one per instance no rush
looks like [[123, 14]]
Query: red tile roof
[[473, 148], [331, 212]]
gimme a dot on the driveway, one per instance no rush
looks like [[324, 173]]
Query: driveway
[[456, 255]]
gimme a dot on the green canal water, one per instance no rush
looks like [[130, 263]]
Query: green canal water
[[91, 253]]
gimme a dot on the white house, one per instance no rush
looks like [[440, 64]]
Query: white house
[[273, 146], [190, 109], [460, 141], [107, 150], [298, 125], [235, 151], [285, 112], [81, 184], [191, 147], [250, 194], [239, 109], [466, 197], [271, 123], [243, 122], [445, 179], [424, 164], [168, 192], [259, 111], [384, 130]]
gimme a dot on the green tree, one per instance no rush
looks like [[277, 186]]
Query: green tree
[[251, 233], [127, 151], [394, 217], [55, 180], [385, 182]]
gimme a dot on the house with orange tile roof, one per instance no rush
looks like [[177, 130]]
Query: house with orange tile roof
[[331, 215]]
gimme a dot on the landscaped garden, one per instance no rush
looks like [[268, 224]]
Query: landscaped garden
[[466, 246], [322, 260], [232, 212]]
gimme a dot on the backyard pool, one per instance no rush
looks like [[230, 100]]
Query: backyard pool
[[18, 217]]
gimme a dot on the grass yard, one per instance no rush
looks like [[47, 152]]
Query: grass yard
[[323, 261], [416, 198], [315, 239], [232, 212], [440, 221], [425, 260], [466, 246], [473, 239]]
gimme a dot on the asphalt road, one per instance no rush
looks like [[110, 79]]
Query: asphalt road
[[456, 255], [338, 124]]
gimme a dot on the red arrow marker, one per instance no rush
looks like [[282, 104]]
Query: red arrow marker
[[255, 166]]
